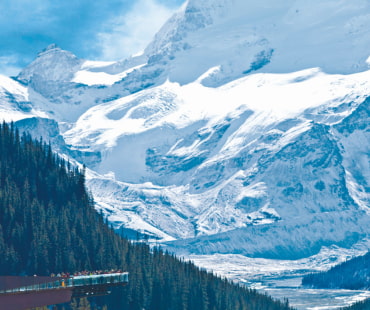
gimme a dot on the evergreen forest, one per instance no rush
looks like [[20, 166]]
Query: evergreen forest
[[361, 305], [353, 274], [48, 224]]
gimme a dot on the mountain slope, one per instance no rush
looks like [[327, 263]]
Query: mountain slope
[[241, 121], [15, 102], [255, 161]]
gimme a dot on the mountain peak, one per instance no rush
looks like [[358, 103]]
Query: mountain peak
[[51, 64], [223, 40], [52, 46]]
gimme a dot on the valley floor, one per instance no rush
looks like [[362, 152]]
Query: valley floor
[[282, 278], [308, 299]]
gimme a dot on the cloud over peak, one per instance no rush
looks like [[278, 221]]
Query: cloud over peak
[[101, 29]]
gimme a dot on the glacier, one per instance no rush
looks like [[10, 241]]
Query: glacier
[[243, 127]]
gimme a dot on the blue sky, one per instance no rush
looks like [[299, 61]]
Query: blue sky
[[96, 30]]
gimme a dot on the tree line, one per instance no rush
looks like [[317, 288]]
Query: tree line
[[353, 274], [360, 305]]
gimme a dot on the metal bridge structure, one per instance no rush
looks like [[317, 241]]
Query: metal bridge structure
[[20, 293]]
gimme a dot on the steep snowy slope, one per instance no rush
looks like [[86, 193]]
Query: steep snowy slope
[[15, 103], [243, 128], [266, 166]]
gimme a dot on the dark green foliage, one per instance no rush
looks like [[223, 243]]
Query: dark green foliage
[[47, 219], [361, 305], [353, 274], [48, 224], [162, 282]]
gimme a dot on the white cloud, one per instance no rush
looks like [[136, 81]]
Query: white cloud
[[8, 65], [130, 33]]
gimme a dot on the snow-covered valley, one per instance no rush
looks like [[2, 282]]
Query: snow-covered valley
[[282, 278]]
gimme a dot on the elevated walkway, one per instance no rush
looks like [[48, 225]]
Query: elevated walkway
[[18, 293]]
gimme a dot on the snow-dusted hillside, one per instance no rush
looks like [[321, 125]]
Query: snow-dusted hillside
[[242, 128]]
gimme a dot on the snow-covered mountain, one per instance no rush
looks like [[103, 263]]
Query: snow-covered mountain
[[242, 128], [226, 39], [250, 170]]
